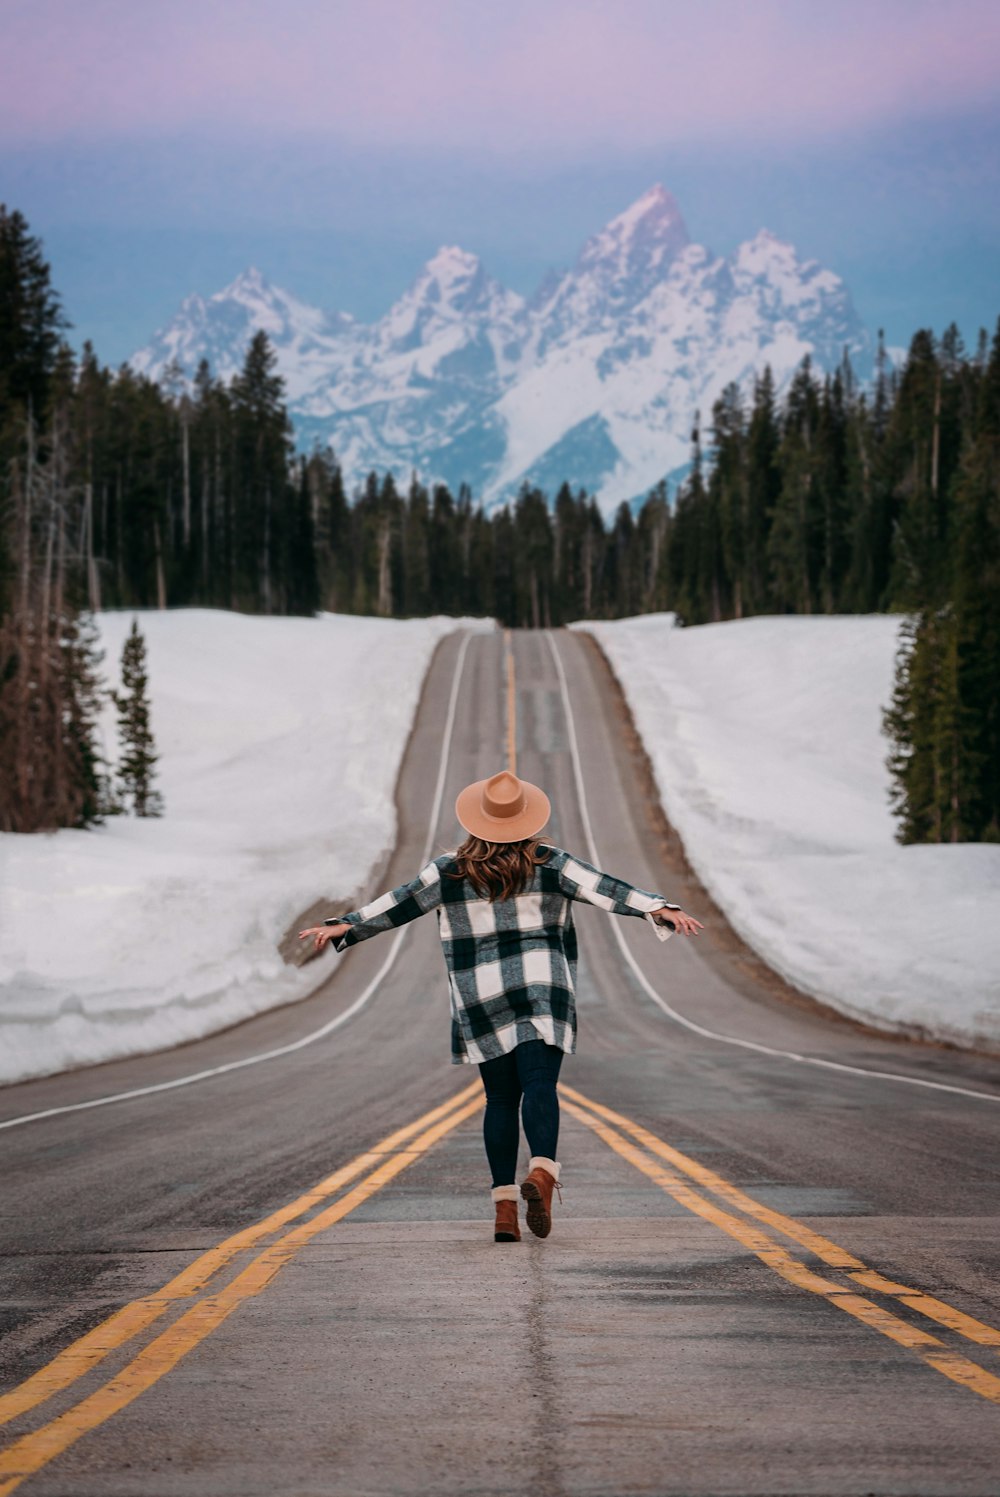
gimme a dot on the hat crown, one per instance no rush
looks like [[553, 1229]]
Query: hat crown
[[503, 795]]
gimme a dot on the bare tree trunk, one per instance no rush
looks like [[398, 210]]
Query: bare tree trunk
[[223, 539], [161, 585], [45, 616], [87, 548], [588, 567], [61, 790], [186, 469], [803, 544], [267, 549], [745, 539], [649, 600], [119, 567], [27, 494], [384, 604], [936, 439], [205, 544]]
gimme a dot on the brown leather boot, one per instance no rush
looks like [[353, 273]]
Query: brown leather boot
[[506, 1227], [542, 1179]]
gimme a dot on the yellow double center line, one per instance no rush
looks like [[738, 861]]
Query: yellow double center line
[[645, 1151], [33, 1451], [690, 1183]]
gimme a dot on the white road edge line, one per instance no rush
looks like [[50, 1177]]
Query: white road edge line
[[332, 1024], [672, 1013]]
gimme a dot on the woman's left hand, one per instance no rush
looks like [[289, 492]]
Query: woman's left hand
[[686, 924], [325, 933]]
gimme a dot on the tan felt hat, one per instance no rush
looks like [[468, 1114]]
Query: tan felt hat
[[503, 808]]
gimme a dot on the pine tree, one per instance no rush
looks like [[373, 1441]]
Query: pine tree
[[977, 605], [689, 549], [85, 696], [795, 539], [302, 580], [263, 498], [417, 600], [536, 555], [729, 491], [50, 691], [137, 758], [835, 499], [31, 318], [763, 488], [922, 724]]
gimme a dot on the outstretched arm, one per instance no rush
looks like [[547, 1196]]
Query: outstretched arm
[[581, 880], [397, 907]]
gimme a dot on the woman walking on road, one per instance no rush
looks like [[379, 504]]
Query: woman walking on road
[[504, 903]]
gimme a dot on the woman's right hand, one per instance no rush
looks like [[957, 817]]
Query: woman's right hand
[[325, 933]]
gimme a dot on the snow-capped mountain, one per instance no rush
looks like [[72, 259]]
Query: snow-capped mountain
[[220, 328], [595, 380]]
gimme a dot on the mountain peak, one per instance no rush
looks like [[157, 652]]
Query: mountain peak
[[249, 282], [452, 260], [633, 250], [656, 203], [654, 215], [455, 282]]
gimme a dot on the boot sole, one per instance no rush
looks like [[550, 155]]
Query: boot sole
[[538, 1219], [505, 1237]]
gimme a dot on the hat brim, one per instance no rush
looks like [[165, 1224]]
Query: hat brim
[[527, 823]]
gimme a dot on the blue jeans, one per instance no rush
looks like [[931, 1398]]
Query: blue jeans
[[526, 1078]]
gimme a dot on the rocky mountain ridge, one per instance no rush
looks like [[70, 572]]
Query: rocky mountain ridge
[[595, 379]]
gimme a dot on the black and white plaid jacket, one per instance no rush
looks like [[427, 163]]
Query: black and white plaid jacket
[[511, 964]]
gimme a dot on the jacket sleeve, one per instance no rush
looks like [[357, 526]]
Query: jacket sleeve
[[397, 907], [581, 880]]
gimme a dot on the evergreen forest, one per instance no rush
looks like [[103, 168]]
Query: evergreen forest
[[118, 492]]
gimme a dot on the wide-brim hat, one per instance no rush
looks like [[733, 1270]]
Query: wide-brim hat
[[503, 808]]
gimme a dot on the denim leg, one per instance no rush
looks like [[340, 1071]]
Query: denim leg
[[538, 1068], [501, 1131]]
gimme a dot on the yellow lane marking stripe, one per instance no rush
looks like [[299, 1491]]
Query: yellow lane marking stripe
[[90, 1349], [27, 1455], [828, 1252], [511, 705], [824, 1249], [934, 1309], [777, 1258]]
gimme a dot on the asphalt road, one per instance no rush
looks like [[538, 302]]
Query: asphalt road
[[766, 1275]]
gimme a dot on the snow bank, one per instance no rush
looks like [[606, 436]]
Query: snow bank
[[765, 738], [280, 741]]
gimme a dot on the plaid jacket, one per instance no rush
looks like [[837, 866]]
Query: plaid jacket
[[511, 964]]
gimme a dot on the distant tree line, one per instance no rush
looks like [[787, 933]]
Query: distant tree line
[[120, 492]]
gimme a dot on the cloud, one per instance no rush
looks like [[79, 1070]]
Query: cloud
[[528, 76]]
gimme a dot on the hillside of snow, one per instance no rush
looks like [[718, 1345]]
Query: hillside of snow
[[142, 933], [594, 380], [765, 739]]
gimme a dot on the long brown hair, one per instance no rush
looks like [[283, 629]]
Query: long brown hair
[[499, 870]]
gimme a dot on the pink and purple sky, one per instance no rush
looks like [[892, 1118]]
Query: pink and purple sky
[[160, 149]]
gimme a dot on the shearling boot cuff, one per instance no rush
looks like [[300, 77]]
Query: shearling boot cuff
[[505, 1193], [538, 1161]]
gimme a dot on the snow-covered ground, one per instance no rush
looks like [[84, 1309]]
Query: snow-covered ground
[[765, 738], [280, 741]]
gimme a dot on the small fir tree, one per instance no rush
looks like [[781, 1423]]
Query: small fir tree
[[84, 696], [136, 764]]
